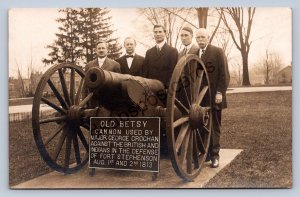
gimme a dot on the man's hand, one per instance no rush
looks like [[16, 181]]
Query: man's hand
[[218, 97]]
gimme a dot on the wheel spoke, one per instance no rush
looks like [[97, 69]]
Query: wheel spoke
[[181, 107], [86, 99], [79, 91], [68, 150], [82, 139], [206, 131], [181, 135], [184, 148], [180, 121], [201, 95], [57, 94], [189, 158], [54, 106], [54, 119], [198, 82], [54, 134], [72, 86], [76, 149], [64, 86], [192, 67], [200, 142], [60, 144], [195, 151], [185, 92]]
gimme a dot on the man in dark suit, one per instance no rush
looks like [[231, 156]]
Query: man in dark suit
[[159, 64], [102, 60], [186, 35], [161, 59], [131, 63], [217, 68]]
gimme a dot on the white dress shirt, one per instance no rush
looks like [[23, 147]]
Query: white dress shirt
[[101, 61], [129, 60], [187, 48], [201, 51], [160, 45]]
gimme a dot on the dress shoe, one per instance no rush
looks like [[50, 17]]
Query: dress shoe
[[214, 163], [208, 158]]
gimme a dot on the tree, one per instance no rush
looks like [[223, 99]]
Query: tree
[[202, 14], [175, 18], [269, 65], [65, 47], [236, 72], [172, 19], [243, 22], [79, 31], [224, 41]]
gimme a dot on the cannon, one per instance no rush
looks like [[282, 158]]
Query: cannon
[[69, 96]]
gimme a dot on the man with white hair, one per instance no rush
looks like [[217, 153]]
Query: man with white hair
[[217, 68]]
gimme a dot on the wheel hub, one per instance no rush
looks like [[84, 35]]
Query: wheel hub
[[198, 115], [75, 113]]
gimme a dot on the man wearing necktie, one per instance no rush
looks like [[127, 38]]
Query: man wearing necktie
[[131, 63], [161, 59], [217, 68], [186, 35], [159, 64]]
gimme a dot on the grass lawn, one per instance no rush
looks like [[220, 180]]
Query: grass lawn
[[261, 125], [258, 123]]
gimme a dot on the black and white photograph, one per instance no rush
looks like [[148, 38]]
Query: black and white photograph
[[150, 97]]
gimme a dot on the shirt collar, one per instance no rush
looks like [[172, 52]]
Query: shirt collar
[[101, 59], [188, 47], [204, 48], [133, 54], [160, 45]]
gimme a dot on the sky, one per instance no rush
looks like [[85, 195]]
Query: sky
[[32, 29]]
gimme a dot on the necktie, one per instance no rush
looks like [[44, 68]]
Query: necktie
[[158, 49], [202, 53], [128, 56], [184, 51]]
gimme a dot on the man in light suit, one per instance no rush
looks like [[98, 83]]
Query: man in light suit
[[217, 68], [102, 60], [186, 35], [131, 63], [161, 59]]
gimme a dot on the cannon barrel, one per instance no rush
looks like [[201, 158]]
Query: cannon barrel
[[123, 87]]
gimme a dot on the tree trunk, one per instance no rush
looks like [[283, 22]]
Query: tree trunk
[[246, 80], [202, 17]]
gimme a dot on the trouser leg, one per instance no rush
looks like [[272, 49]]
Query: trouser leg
[[214, 147]]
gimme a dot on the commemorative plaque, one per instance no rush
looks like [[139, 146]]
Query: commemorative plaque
[[125, 144]]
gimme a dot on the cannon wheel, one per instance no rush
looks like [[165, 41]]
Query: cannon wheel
[[188, 117], [56, 128]]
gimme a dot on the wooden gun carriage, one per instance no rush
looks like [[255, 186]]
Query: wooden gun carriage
[[73, 96]]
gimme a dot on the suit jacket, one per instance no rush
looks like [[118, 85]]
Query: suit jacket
[[109, 65], [218, 73], [193, 50], [160, 65], [136, 66]]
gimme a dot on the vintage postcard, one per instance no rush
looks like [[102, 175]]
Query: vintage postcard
[[150, 97]]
